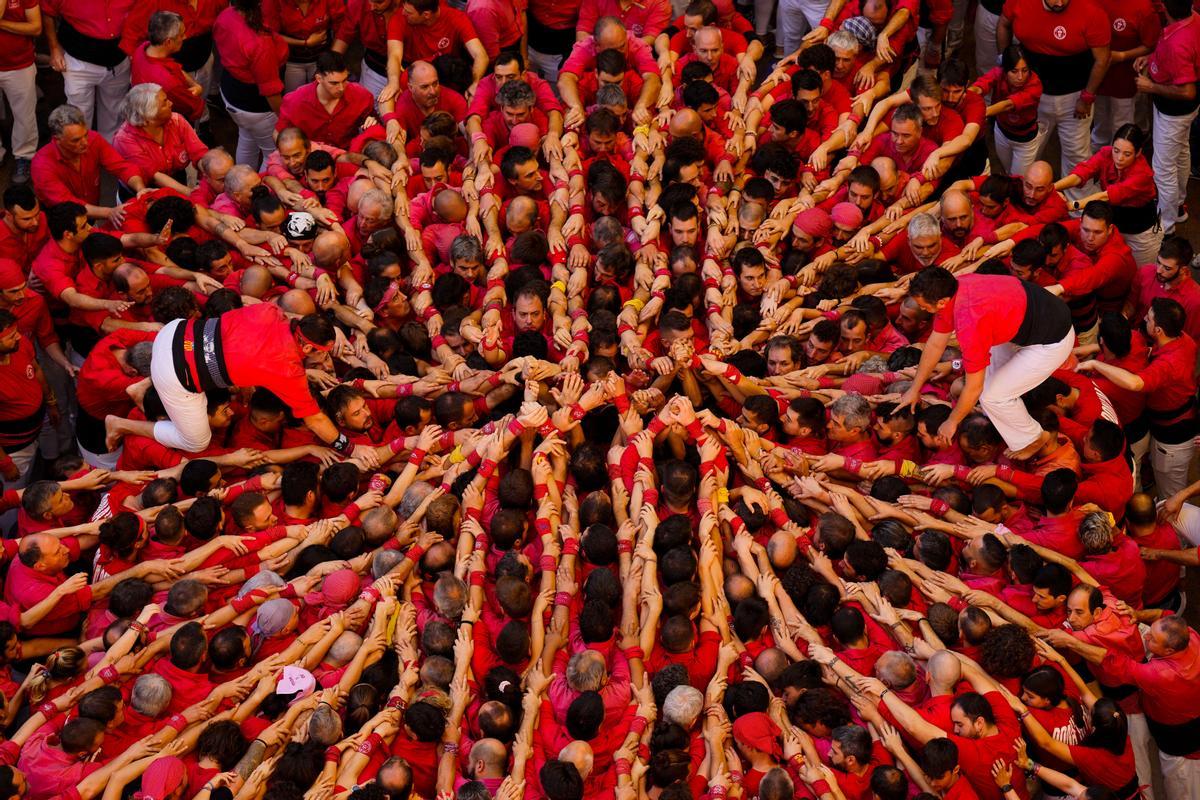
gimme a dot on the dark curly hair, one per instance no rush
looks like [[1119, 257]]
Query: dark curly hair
[[1007, 652]]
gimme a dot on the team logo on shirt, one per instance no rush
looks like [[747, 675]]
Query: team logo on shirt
[[1060, 32], [1119, 24], [29, 372], [444, 43]]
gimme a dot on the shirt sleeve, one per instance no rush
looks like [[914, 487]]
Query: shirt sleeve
[[641, 58], [1089, 169], [1138, 187], [112, 160], [488, 29], [658, 19], [51, 189], [1083, 281], [265, 69], [588, 14], [1029, 95]]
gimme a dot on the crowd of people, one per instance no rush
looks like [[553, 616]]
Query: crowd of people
[[598, 399]]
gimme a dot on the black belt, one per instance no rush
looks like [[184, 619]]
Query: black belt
[[207, 356], [1176, 740], [1061, 74], [1171, 413], [196, 52], [102, 52], [1136, 219], [243, 96], [377, 62], [25, 428]]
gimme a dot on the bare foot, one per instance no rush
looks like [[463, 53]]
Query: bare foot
[[1031, 449], [112, 432]]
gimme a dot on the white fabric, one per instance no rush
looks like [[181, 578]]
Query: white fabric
[[1188, 524], [1110, 114], [1171, 463], [1056, 114], [1144, 752], [23, 458], [1145, 245], [1181, 777], [1016, 157], [21, 92], [204, 77], [1138, 450], [256, 134], [1172, 163], [188, 429], [93, 88], [546, 64], [100, 460], [296, 75], [796, 18], [1013, 371], [987, 55], [373, 82]]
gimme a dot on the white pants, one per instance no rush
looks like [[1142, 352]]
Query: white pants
[[546, 64], [1110, 114], [1138, 450], [1015, 370], [373, 82], [1017, 157], [21, 91], [1056, 114], [987, 55], [188, 429], [1171, 463], [56, 439], [204, 77], [1181, 777], [762, 16], [256, 134], [296, 75], [1144, 752], [1172, 163], [795, 19], [93, 88], [954, 33], [1188, 524], [101, 460], [23, 458], [1145, 245]]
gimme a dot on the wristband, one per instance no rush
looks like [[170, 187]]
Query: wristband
[[570, 547], [395, 702], [938, 508], [825, 23], [332, 755], [650, 497], [624, 546], [487, 468], [717, 791], [908, 469], [478, 136], [638, 725], [404, 390], [291, 278], [438, 341], [109, 674], [342, 444], [414, 553], [548, 564], [1004, 472], [723, 495], [852, 465], [370, 593], [1006, 788], [562, 599], [961, 471], [178, 722], [449, 747], [779, 517], [634, 652], [1087, 96], [416, 457], [453, 386], [481, 405], [622, 766], [576, 209]]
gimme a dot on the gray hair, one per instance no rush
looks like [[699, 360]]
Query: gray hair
[[241, 178], [1096, 533], [63, 117], [210, 159], [515, 93], [611, 94], [344, 648], [466, 247], [413, 497], [843, 40], [450, 596], [923, 225], [151, 695], [141, 104], [854, 410], [261, 580], [683, 705], [324, 726], [138, 356], [376, 197], [383, 561], [164, 25], [896, 669], [585, 671]]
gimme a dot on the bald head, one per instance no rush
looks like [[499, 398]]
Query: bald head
[[945, 670], [488, 758], [887, 173], [781, 549], [450, 206], [296, 303], [956, 202], [580, 754], [422, 72], [610, 34], [291, 136], [330, 248], [738, 587], [685, 123], [771, 663], [521, 214], [241, 179], [896, 669], [707, 38], [1040, 172]]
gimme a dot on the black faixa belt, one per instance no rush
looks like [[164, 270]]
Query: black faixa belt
[[199, 356]]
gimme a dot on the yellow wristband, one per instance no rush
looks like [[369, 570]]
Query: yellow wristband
[[908, 469], [562, 287], [456, 455], [636, 302], [723, 495]]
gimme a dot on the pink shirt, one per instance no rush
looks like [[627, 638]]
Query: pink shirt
[[25, 587], [638, 56], [180, 146], [57, 180], [1176, 59], [499, 23], [248, 55]]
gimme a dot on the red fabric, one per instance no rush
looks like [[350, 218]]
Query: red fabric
[[261, 351], [638, 56], [1134, 23], [1162, 577], [16, 51], [411, 116], [1169, 377], [251, 56], [986, 311], [1176, 59], [644, 18], [57, 180], [198, 19], [26, 587], [19, 246], [361, 24], [1023, 116], [20, 390], [168, 74], [1146, 287], [555, 14], [285, 16], [485, 94], [975, 756], [1080, 26], [447, 34], [180, 147], [301, 108], [499, 23], [101, 383], [102, 19], [1170, 686], [33, 319]]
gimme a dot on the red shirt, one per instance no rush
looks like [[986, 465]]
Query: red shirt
[[555, 15], [898, 253], [57, 180], [986, 311], [33, 319], [187, 688], [638, 56], [180, 146], [1135, 23], [22, 247], [1120, 570], [499, 23], [976, 756], [411, 116], [1060, 534], [1118, 635], [260, 350], [1098, 765], [303, 109], [168, 74], [1021, 119], [1170, 686], [363, 25], [1162, 577], [250, 56], [1169, 377], [641, 18], [447, 34], [1146, 287], [1108, 484], [102, 19], [285, 16], [485, 94], [101, 383], [49, 770], [20, 397], [1050, 38], [882, 145], [25, 587], [198, 19], [16, 51], [1133, 186]]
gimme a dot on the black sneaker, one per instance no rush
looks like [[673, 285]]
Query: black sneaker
[[21, 171]]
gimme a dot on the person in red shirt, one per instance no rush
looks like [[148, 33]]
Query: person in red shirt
[[1067, 45], [1015, 92], [1111, 268], [195, 53], [993, 312], [23, 228], [1155, 537], [1169, 76], [1168, 383], [646, 20], [330, 109], [500, 25], [1170, 276], [32, 315], [1136, 27], [159, 143], [102, 388], [903, 143], [307, 30], [155, 62], [24, 397], [425, 95], [68, 167], [424, 30], [252, 59], [366, 22], [609, 34], [17, 75]]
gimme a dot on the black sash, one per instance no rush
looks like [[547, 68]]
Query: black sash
[[1047, 318], [1061, 74], [1176, 740], [243, 96], [377, 62], [102, 52], [196, 52], [1136, 219], [25, 429]]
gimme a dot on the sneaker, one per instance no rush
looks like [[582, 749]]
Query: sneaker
[[1183, 214], [21, 171]]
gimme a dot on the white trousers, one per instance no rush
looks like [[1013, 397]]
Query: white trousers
[[795, 19], [1144, 752], [95, 89], [1015, 370], [1017, 157], [204, 77], [256, 134], [21, 92], [1181, 777], [1171, 463], [546, 64], [296, 75], [56, 439], [987, 55], [1145, 245], [373, 82], [954, 34], [1110, 113], [101, 460], [1056, 114], [1172, 163], [188, 411], [1138, 450]]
